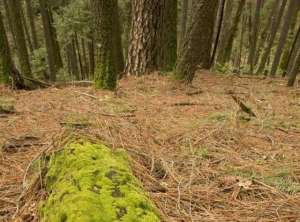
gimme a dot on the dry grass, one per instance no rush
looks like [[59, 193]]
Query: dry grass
[[212, 161]]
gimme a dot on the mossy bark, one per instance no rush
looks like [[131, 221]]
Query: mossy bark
[[5, 59], [88, 182], [106, 64]]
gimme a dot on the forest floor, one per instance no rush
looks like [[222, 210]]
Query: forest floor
[[198, 155]]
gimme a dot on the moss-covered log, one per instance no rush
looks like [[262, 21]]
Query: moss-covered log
[[88, 182]]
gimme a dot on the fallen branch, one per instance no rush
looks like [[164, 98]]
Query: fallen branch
[[243, 107], [185, 104]]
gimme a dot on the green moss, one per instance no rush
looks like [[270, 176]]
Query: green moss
[[88, 182], [7, 104]]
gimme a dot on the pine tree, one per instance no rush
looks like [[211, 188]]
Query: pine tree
[[145, 35], [106, 64], [196, 49]]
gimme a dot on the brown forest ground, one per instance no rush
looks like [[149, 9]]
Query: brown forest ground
[[214, 162]]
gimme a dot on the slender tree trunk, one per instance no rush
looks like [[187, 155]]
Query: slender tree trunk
[[293, 52], [256, 25], [82, 74], [118, 41], [30, 15], [144, 48], [106, 66], [219, 28], [290, 13], [9, 20], [273, 32], [169, 36], [265, 32], [91, 52], [295, 68], [85, 59], [26, 30], [183, 20], [23, 56], [52, 53], [196, 49]]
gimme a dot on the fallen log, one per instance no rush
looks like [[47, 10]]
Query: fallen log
[[90, 182]]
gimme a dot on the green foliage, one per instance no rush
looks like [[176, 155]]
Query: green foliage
[[73, 18], [39, 62], [88, 182]]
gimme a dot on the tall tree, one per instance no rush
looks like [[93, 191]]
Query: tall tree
[[255, 31], [228, 37], [30, 15], [18, 30], [273, 33], [144, 48], [196, 49], [183, 20], [218, 31], [7, 68], [53, 52], [106, 64], [295, 67], [289, 16], [169, 35]]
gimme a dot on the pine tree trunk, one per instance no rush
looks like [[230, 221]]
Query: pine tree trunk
[[106, 64], [118, 41], [169, 36], [183, 20], [144, 47], [196, 49], [291, 12], [218, 31], [293, 52], [295, 67], [30, 15], [225, 51], [273, 32], [52, 53], [91, 52], [253, 44], [7, 68], [18, 30]]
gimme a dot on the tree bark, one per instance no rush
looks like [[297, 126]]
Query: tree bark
[[169, 36], [53, 54], [255, 31], [106, 64], [18, 30], [183, 20], [197, 46], [291, 12], [30, 15], [273, 32], [7, 68], [144, 47]]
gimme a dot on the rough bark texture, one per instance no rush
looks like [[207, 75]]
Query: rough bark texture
[[169, 36], [290, 14], [273, 32], [196, 49], [106, 65], [22, 53], [145, 34]]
